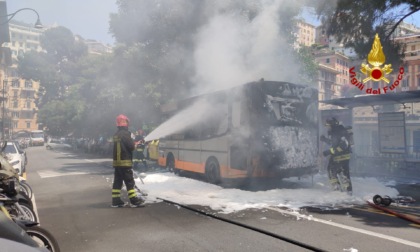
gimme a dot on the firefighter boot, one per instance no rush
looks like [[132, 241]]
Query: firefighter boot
[[117, 202], [136, 202]]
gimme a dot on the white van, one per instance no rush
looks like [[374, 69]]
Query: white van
[[37, 138]]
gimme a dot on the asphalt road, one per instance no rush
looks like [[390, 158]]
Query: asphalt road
[[73, 194]]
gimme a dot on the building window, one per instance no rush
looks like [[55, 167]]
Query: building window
[[15, 103], [413, 47], [405, 82], [327, 60], [28, 125], [28, 104], [15, 83], [15, 114], [28, 84], [15, 125]]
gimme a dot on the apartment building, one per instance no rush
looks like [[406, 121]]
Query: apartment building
[[337, 62], [19, 108], [305, 35]]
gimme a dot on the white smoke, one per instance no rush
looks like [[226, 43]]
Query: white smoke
[[232, 50]]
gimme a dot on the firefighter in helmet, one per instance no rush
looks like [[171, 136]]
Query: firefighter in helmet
[[123, 165], [340, 140]]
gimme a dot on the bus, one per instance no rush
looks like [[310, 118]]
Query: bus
[[263, 129], [36, 138]]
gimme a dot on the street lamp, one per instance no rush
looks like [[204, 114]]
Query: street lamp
[[37, 25]]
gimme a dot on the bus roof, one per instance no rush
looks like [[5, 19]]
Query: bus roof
[[176, 105]]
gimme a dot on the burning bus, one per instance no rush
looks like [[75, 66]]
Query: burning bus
[[263, 129]]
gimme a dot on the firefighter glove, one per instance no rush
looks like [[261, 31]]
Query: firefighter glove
[[326, 153]]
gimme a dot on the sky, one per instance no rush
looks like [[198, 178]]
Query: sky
[[87, 18], [90, 18]]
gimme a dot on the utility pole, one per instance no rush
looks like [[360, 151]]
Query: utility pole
[[3, 109]]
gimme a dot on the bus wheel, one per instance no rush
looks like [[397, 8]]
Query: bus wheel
[[213, 171]]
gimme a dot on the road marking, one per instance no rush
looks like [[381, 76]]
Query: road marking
[[359, 230], [51, 173]]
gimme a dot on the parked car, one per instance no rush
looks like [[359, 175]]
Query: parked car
[[16, 156]]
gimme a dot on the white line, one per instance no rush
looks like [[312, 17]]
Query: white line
[[51, 173], [359, 230]]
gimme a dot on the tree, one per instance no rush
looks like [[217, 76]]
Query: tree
[[355, 23]]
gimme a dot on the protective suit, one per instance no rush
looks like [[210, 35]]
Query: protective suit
[[340, 140]]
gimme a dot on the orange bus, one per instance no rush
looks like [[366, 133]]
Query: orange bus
[[263, 129]]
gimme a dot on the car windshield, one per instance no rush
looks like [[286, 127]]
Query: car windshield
[[10, 149]]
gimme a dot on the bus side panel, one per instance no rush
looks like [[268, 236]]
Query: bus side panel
[[166, 147], [217, 148], [190, 166], [189, 156]]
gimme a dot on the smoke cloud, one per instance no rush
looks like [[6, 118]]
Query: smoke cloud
[[232, 49]]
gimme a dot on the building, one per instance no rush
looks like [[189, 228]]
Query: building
[[305, 35], [411, 79], [404, 29], [322, 39], [95, 47], [20, 110], [327, 83], [332, 60]]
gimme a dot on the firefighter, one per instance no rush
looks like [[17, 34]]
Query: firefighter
[[138, 154], [339, 153], [123, 165]]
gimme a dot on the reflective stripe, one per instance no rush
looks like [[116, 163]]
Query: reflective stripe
[[117, 140], [333, 181], [339, 149], [116, 193], [122, 163], [131, 193], [342, 157], [332, 150]]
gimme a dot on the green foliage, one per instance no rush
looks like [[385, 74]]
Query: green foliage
[[61, 116], [309, 70]]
